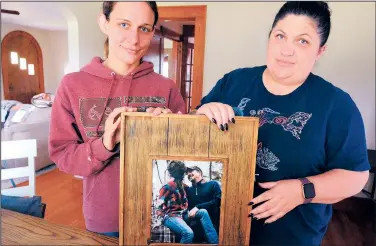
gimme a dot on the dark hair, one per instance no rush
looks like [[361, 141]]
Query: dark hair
[[107, 8], [177, 170], [317, 10], [193, 168]]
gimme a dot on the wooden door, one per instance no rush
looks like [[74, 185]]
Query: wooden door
[[176, 60], [21, 80], [155, 52]]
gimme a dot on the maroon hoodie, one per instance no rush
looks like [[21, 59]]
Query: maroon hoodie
[[77, 121]]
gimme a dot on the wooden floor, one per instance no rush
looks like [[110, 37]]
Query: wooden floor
[[63, 195], [351, 224]]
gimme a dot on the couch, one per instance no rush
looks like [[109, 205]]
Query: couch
[[35, 125]]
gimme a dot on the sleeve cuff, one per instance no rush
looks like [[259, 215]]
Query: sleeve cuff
[[99, 151]]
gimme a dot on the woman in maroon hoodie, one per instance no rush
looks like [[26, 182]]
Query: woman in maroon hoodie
[[84, 134]]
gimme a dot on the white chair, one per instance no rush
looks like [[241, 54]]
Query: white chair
[[15, 150]]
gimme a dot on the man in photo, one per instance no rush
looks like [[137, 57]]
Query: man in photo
[[203, 195]]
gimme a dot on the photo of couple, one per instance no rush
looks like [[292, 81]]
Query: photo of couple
[[186, 201]]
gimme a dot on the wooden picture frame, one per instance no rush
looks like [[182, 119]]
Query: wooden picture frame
[[185, 137]]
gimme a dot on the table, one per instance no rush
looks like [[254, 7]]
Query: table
[[20, 229]]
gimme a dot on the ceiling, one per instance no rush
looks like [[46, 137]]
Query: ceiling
[[40, 15], [47, 15]]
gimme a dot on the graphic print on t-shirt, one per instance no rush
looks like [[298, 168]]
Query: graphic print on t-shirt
[[243, 103], [293, 123], [266, 159]]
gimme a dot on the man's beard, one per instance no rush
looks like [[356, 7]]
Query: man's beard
[[191, 179]]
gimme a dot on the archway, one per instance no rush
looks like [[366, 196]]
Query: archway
[[22, 66]]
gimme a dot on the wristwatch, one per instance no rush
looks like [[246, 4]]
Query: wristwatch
[[308, 190]]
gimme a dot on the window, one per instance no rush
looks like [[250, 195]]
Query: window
[[23, 64], [31, 69], [188, 76], [13, 57], [165, 69]]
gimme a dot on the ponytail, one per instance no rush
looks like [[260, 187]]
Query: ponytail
[[179, 184]]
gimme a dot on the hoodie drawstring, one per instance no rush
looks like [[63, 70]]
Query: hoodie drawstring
[[105, 104], [129, 89]]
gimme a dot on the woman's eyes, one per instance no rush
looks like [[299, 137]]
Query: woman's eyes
[[279, 36], [143, 29], [300, 41]]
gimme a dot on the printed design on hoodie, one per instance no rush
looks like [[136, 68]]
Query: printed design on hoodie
[[266, 159], [293, 123], [94, 134], [145, 99], [91, 110]]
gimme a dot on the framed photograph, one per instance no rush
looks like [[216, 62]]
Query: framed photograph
[[183, 180], [186, 193]]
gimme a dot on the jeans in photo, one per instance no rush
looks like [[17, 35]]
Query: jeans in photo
[[181, 226]]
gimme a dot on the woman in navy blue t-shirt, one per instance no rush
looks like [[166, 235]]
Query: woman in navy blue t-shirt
[[311, 146]]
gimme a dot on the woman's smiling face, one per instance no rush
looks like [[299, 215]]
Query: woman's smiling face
[[130, 30]]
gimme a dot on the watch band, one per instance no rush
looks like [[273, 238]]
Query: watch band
[[304, 182]]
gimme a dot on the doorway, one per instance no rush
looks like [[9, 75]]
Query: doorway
[[177, 49], [178, 56]]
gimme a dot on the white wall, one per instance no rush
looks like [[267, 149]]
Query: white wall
[[350, 59], [236, 36], [54, 48], [58, 57], [90, 38]]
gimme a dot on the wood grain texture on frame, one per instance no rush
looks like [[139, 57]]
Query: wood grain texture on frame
[[145, 136], [185, 137], [240, 147]]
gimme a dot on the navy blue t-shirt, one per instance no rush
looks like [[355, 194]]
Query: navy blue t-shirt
[[314, 129]]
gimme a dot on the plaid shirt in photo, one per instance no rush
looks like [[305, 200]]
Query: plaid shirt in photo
[[171, 202]]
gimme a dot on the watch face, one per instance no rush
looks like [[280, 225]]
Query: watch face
[[309, 191]]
